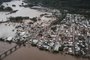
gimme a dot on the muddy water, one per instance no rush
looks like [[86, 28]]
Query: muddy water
[[5, 46], [32, 53]]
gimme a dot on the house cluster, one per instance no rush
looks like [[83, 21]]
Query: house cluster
[[71, 37]]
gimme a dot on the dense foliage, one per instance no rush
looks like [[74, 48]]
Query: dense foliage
[[63, 3], [2, 8], [1, 1], [71, 6]]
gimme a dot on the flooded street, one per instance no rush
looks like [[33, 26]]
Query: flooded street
[[33, 53], [5, 46]]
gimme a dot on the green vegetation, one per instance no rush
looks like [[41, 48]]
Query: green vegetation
[[13, 5], [73, 6], [2, 8], [18, 19], [8, 9], [63, 3], [65, 6]]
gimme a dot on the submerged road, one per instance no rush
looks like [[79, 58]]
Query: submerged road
[[33, 53], [6, 49]]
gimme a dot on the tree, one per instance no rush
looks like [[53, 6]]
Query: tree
[[8, 9], [1, 8]]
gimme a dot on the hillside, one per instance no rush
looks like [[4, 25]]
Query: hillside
[[73, 6], [64, 3], [1, 1]]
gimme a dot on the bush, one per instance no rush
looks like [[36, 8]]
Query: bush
[[13, 5], [1, 8], [34, 19], [15, 19], [8, 9]]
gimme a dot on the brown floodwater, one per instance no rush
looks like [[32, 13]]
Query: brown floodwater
[[5, 46], [33, 53]]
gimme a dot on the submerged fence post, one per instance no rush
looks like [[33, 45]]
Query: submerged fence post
[[0, 57]]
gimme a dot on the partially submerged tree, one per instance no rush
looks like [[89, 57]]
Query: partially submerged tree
[[8, 9]]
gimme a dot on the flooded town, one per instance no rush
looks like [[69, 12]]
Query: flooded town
[[34, 32]]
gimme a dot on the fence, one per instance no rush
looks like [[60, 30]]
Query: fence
[[8, 52]]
